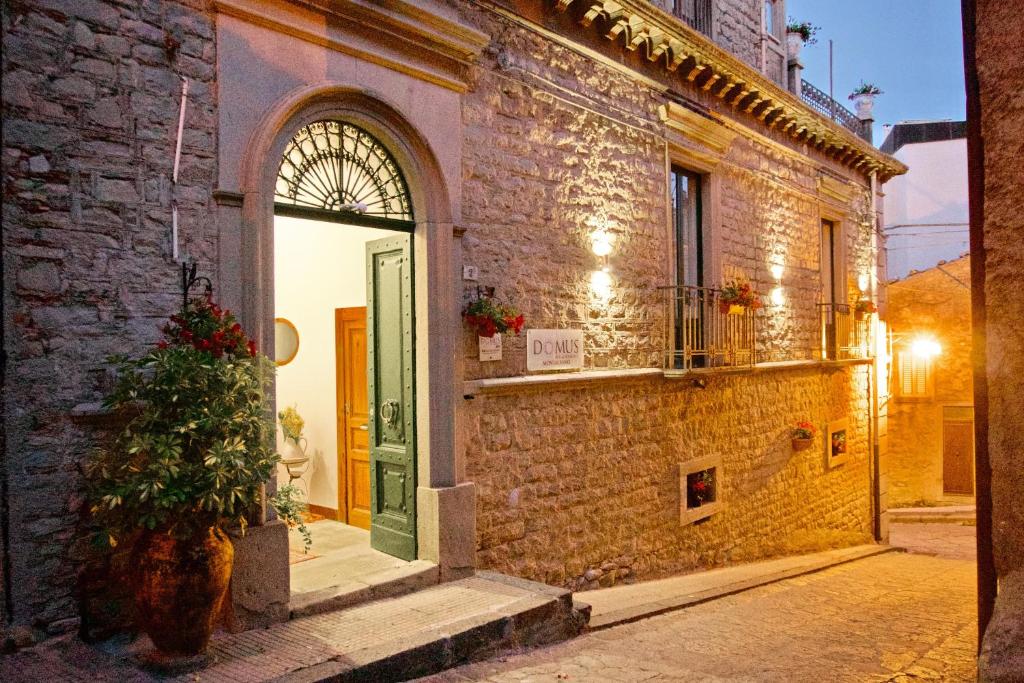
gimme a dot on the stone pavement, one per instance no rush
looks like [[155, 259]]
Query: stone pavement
[[893, 617], [953, 541]]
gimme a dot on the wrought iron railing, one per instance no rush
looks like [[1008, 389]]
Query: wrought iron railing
[[845, 334], [697, 14], [702, 331], [825, 105]]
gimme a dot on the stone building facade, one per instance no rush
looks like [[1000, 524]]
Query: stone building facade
[[931, 419], [520, 126]]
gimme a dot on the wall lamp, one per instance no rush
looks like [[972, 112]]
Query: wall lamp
[[601, 242]]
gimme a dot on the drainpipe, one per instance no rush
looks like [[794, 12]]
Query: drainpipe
[[873, 419]]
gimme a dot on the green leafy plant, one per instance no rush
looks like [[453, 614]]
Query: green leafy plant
[[290, 508], [199, 444], [865, 89], [806, 30]]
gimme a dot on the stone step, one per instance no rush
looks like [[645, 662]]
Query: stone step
[[392, 639], [387, 583], [952, 514]]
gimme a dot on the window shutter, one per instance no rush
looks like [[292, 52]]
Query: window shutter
[[913, 375]]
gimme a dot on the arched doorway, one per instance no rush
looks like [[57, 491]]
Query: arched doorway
[[344, 300]]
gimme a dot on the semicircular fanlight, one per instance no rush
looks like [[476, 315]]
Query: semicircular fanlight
[[336, 166]]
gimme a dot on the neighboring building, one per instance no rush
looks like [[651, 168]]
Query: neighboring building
[[995, 111], [926, 208], [931, 411], [602, 166]]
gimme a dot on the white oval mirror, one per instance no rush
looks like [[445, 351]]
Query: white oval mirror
[[286, 341]]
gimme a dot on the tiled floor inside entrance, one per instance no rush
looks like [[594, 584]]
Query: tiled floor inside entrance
[[341, 569]]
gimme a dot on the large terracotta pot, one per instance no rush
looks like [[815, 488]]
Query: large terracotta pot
[[180, 587]]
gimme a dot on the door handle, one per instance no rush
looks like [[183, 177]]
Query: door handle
[[365, 427]]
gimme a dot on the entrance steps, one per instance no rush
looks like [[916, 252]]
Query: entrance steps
[[949, 514], [391, 639]]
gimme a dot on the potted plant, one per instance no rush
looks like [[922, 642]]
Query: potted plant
[[803, 435], [190, 463], [292, 425], [863, 308], [700, 488], [488, 317], [798, 34], [863, 97], [736, 297]]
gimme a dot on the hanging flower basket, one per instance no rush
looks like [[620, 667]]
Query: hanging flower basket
[[863, 309], [736, 297], [489, 317], [803, 435]]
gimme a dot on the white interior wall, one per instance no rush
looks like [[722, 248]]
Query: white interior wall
[[318, 267]]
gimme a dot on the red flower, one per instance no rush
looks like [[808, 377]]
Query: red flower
[[251, 346], [236, 328], [162, 344], [186, 336], [699, 486]]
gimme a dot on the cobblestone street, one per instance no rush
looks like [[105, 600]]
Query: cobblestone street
[[894, 617]]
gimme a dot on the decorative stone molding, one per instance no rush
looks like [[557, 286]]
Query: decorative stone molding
[[838, 190], [664, 39], [417, 37], [704, 129]]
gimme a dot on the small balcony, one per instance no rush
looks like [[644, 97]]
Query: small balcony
[[820, 102], [845, 334], [702, 331]]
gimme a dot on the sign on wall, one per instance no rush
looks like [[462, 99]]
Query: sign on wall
[[554, 349], [490, 347]]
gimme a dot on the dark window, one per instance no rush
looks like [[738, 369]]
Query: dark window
[[696, 14], [828, 262], [686, 218]]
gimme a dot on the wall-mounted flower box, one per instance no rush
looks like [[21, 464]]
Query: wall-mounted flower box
[[700, 489]]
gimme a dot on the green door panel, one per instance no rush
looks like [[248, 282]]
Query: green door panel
[[389, 342]]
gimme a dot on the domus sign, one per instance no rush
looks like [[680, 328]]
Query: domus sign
[[554, 350]]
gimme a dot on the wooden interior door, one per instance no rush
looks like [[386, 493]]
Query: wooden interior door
[[958, 456], [353, 416]]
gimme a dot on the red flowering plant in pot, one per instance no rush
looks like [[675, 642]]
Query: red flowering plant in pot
[[737, 296], [189, 464], [489, 317], [863, 308], [803, 435]]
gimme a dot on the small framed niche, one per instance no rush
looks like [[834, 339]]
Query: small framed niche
[[700, 489], [837, 443]]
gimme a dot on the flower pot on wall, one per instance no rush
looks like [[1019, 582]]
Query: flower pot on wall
[[794, 43], [802, 444], [865, 105], [180, 586]]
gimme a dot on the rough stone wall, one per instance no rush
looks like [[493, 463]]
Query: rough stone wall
[[579, 486], [937, 303], [91, 97], [738, 28], [557, 143], [999, 70]]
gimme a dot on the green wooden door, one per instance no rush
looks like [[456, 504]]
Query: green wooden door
[[389, 343]]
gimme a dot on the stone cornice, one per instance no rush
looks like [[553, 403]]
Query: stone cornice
[[704, 129], [418, 37], [662, 38]]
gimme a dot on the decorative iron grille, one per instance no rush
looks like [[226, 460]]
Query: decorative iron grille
[[820, 102], [702, 331], [336, 166]]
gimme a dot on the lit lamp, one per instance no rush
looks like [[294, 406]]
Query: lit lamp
[[863, 280], [778, 298], [601, 280], [925, 348]]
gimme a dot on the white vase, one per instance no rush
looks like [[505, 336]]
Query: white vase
[[865, 104], [794, 43]]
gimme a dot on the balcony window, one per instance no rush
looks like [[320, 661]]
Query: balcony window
[[695, 13]]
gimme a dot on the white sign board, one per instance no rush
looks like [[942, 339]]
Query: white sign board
[[490, 347], [554, 350]]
